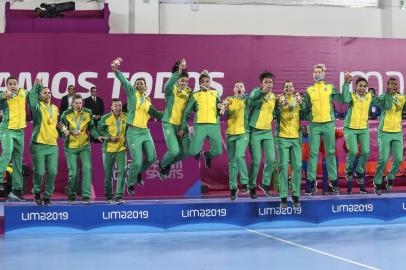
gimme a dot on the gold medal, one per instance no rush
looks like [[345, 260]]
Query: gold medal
[[50, 121]]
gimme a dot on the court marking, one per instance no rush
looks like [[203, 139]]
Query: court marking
[[312, 249]]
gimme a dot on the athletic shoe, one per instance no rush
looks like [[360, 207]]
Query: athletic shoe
[[47, 201], [266, 190], [16, 195], [139, 181], [334, 187], [378, 189], [86, 200], [37, 199], [130, 190], [295, 201], [109, 201], [284, 203], [234, 194], [312, 189], [244, 188], [163, 172], [207, 161], [349, 187], [253, 193], [359, 177], [363, 190], [2, 188], [389, 183], [119, 200]]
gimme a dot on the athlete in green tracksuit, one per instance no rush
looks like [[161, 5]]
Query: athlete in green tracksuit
[[289, 141], [44, 146], [318, 102], [237, 108], [76, 123], [112, 127], [177, 140], [12, 135], [138, 136], [205, 103], [390, 135], [262, 109], [356, 129]]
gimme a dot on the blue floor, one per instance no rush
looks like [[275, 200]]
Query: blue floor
[[357, 247]]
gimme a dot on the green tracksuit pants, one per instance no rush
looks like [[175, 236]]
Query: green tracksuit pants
[[289, 150], [177, 147], [212, 131], [72, 155], [12, 143], [353, 138], [327, 132], [261, 139], [236, 147], [45, 163], [139, 141], [109, 159], [388, 141]]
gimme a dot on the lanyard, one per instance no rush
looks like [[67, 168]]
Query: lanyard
[[76, 121], [118, 125], [49, 109]]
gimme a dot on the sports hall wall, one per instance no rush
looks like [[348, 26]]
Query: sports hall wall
[[84, 60]]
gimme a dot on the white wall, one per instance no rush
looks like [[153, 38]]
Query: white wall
[[148, 16], [270, 20]]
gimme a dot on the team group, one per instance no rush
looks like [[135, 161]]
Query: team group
[[249, 123]]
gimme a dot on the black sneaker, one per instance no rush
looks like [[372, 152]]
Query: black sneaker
[[37, 199], [359, 177], [207, 161], [244, 188], [312, 189], [86, 200], [2, 188], [119, 200], [47, 201], [234, 194], [16, 195], [389, 184], [378, 189], [139, 181], [253, 193], [162, 172], [296, 203], [334, 187], [266, 190], [284, 203], [363, 190], [349, 187], [130, 190], [109, 200]]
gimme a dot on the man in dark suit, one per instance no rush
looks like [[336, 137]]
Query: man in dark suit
[[66, 101], [95, 104]]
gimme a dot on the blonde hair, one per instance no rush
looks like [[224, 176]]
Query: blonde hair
[[322, 66]]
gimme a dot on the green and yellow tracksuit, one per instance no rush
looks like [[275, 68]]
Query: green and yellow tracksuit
[[79, 146], [318, 103], [175, 103], [262, 109], [237, 139], [206, 122], [44, 146], [12, 136], [114, 152], [138, 136], [289, 141], [356, 128], [390, 135]]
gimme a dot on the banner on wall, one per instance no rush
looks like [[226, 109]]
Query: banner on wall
[[84, 61]]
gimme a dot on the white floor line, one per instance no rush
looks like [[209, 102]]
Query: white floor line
[[313, 249]]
